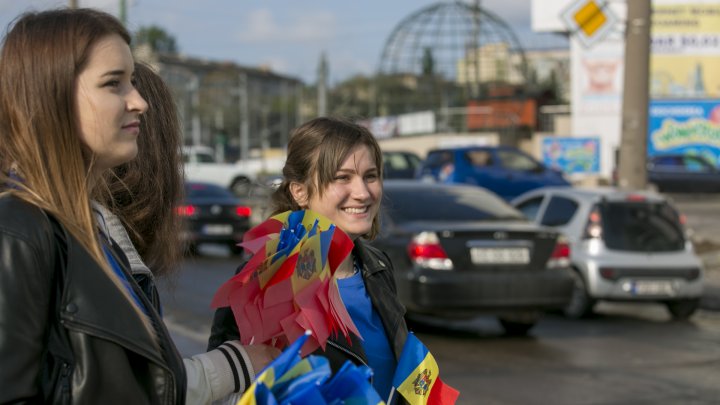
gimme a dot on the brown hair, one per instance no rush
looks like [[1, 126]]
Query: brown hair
[[41, 58], [316, 150], [145, 192]]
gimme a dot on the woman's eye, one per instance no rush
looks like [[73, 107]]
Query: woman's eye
[[342, 177], [112, 83], [371, 176]]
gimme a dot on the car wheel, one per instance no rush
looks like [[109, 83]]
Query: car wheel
[[682, 309], [518, 325], [240, 186], [581, 304]]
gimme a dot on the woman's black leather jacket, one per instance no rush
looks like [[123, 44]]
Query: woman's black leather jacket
[[68, 334]]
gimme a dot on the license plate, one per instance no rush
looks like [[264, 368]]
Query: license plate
[[500, 255], [217, 229], [653, 287]]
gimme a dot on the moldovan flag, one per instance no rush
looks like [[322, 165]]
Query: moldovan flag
[[417, 377]]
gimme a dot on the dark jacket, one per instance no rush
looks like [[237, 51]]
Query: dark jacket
[[68, 334], [380, 285]]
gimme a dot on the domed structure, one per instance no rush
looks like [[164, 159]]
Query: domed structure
[[452, 45]]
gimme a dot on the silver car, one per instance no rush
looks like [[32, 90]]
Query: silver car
[[625, 246]]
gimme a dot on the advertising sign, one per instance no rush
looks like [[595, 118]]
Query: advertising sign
[[685, 43], [572, 155], [685, 126], [416, 123]]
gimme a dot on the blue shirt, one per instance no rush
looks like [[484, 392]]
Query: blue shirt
[[123, 278], [374, 340]]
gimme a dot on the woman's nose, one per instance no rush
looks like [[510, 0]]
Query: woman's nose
[[136, 102], [360, 189]]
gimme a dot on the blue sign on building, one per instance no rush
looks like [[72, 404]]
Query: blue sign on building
[[685, 126], [572, 155]]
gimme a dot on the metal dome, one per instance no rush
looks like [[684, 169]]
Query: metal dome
[[457, 42]]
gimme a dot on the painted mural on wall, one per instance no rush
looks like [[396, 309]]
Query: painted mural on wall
[[685, 126]]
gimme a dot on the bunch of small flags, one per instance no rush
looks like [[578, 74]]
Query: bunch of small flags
[[287, 286], [290, 379]]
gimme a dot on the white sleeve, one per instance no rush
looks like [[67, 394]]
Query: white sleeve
[[218, 374]]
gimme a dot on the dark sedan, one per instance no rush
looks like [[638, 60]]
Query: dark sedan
[[461, 251], [212, 214], [683, 173]]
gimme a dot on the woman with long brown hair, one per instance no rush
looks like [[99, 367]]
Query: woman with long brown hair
[[74, 325], [138, 210]]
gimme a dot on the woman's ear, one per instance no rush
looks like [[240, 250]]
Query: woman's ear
[[299, 194]]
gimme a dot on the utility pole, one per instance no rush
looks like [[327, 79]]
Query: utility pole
[[244, 117], [123, 12], [322, 86], [195, 92], [632, 170], [72, 4]]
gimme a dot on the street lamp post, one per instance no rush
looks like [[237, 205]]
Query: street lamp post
[[194, 87], [191, 87]]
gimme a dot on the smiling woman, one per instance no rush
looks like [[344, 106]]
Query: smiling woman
[[334, 167]]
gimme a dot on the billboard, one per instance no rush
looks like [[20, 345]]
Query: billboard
[[685, 126], [685, 58], [572, 155]]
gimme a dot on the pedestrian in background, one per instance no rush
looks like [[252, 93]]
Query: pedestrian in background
[[334, 168]]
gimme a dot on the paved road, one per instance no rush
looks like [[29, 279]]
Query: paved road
[[626, 354]]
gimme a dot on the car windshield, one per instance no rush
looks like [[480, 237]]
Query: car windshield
[[195, 190], [446, 204], [641, 226]]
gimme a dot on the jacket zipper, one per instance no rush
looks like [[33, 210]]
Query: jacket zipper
[[64, 384], [348, 352]]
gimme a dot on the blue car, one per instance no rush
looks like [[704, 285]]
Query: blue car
[[678, 173], [505, 170]]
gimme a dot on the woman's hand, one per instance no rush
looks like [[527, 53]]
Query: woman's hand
[[261, 355]]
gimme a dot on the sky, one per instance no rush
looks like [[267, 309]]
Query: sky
[[286, 35]]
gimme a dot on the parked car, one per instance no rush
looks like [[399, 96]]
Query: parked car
[[212, 214], [504, 170], [683, 173], [625, 246], [200, 166], [461, 251], [400, 164]]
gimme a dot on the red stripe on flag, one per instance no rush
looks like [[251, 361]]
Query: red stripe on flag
[[442, 394]]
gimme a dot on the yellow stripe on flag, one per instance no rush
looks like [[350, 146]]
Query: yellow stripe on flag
[[282, 217], [267, 378], [309, 264], [303, 367], [417, 386]]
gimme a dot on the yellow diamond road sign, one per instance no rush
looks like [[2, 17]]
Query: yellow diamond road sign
[[589, 20]]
